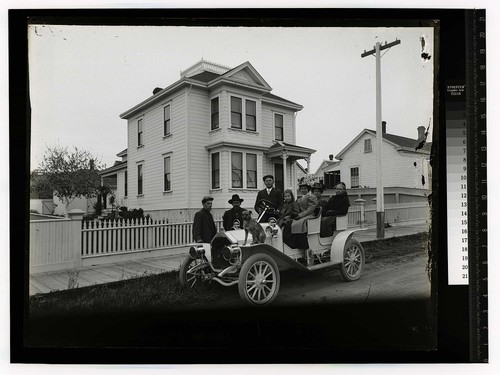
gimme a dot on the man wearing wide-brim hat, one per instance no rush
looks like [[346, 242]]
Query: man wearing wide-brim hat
[[234, 214]]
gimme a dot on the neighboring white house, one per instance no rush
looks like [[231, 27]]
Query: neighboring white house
[[217, 131], [404, 166]]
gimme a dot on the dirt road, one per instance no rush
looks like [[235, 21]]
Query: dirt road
[[407, 279], [397, 278]]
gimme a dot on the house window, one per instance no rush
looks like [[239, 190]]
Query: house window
[[331, 179], [214, 112], [368, 145], [251, 171], [126, 183], [166, 174], [139, 179], [251, 115], [166, 120], [236, 112], [278, 127], [139, 133], [215, 171], [355, 177], [236, 170]]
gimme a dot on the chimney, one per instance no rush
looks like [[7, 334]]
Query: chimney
[[384, 127], [330, 156], [421, 133]]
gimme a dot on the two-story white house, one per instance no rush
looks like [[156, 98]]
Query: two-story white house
[[406, 174], [216, 131]]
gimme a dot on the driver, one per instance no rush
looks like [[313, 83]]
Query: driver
[[272, 196]]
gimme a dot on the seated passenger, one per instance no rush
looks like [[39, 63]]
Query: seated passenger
[[288, 208], [295, 232], [338, 205], [317, 190]]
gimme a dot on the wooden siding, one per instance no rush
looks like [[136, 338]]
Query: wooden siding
[[155, 148], [399, 169], [197, 159], [268, 112]]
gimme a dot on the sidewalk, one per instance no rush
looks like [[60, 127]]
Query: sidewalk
[[102, 274]]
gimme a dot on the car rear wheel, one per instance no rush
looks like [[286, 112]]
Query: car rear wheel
[[193, 271], [259, 280], [353, 260]]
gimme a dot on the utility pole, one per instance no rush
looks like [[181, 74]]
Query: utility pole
[[378, 114]]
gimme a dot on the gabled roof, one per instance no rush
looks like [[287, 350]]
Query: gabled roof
[[275, 99], [401, 143], [326, 164], [294, 151], [122, 153], [246, 73], [118, 166], [207, 75]]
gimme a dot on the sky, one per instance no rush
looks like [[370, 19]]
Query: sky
[[83, 77]]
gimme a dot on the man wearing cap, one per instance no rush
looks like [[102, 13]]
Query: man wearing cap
[[233, 214], [270, 194], [203, 225]]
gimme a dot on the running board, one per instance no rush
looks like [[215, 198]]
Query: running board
[[322, 265]]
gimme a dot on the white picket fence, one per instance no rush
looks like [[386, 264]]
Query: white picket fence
[[106, 237], [63, 244]]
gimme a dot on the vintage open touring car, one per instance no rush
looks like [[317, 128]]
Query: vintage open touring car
[[256, 268]]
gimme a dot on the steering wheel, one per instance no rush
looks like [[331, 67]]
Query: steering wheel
[[263, 204]]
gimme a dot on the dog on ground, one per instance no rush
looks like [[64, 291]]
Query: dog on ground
[[252, 226]]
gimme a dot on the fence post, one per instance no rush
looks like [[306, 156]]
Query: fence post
[[76, 216], [361, 203]]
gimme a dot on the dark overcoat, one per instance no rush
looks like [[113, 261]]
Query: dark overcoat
[[230, 216], [203, 226], [275, 197]]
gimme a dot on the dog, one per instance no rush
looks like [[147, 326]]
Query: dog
[[252, 226]]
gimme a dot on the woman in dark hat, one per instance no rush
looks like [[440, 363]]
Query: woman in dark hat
[[230, 216], [317, 189], [295, 233]]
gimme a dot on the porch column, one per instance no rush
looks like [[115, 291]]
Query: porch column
[[308, 160], [284, 156]]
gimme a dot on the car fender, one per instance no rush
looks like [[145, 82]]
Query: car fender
[[338, 244], [283, 261]]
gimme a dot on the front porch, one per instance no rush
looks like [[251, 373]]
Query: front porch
[[283, 156]]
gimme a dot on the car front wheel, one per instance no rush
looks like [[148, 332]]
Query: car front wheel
[[353, 260], [193, 271], [259, 280]]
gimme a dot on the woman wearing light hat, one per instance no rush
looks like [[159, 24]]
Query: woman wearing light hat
[[230, 216]]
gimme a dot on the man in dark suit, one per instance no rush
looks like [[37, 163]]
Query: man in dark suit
[[272, 195], [203, 225], [233, 214]]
